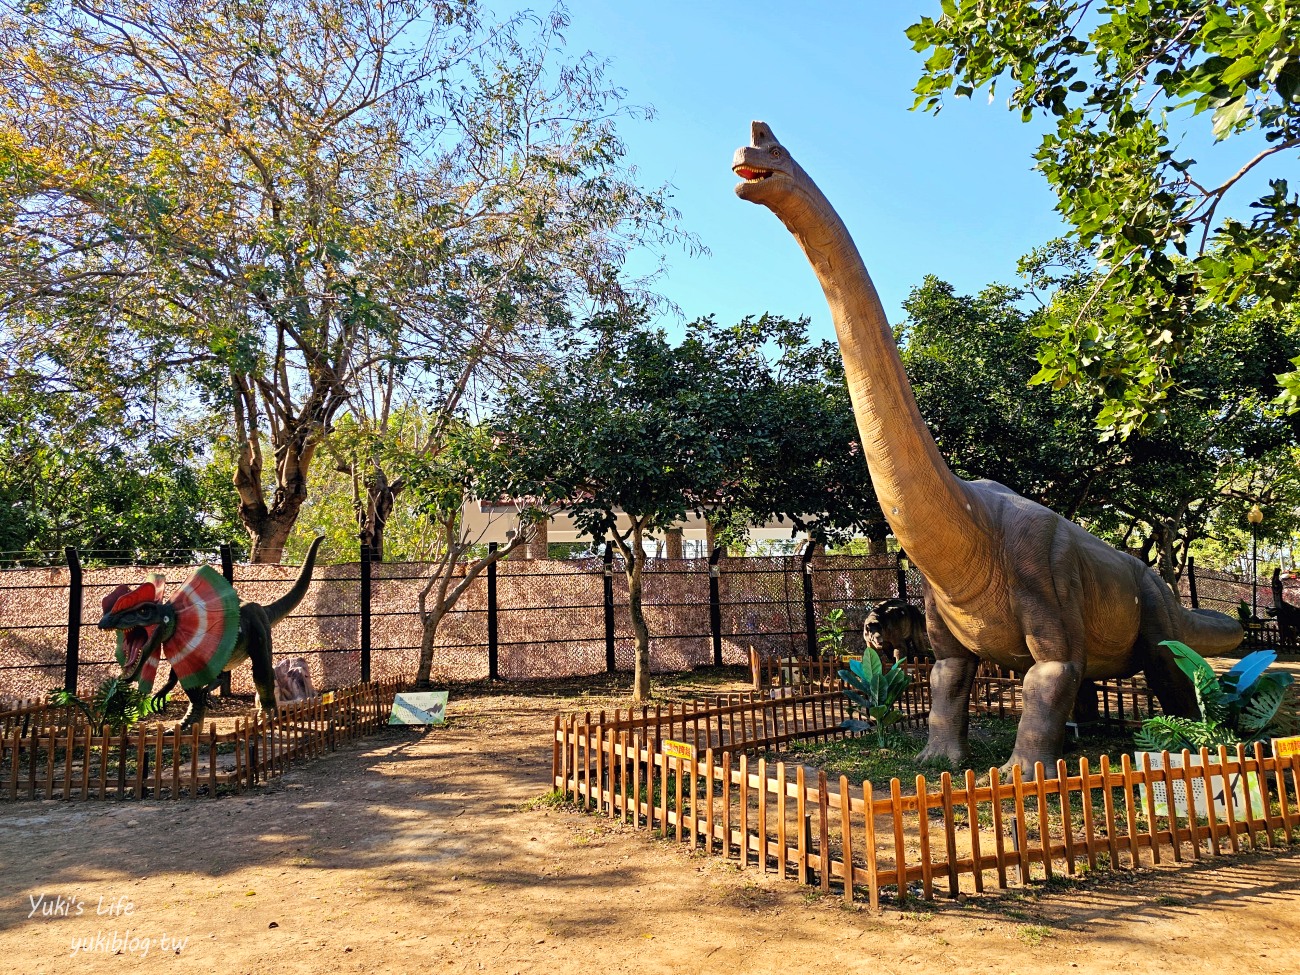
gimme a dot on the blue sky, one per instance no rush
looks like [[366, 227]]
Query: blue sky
[[953, 195]]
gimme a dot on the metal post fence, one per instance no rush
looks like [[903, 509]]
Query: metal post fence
[[902, 575], [1191, 582], [494, 647], [367, 554], [809, 610], [228, 573], [715, 607], [74, 621], [609, 608]]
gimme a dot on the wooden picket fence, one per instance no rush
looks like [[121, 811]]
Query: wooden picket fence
[[968, 833], [49, 752], [1126, 703]]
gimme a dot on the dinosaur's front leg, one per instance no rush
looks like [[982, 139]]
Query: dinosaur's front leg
[[950, 684], [1056, 640]]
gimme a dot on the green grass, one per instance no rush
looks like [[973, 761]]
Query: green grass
[[991, 742], [1033, 934]]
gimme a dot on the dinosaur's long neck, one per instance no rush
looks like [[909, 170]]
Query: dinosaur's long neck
[[926, 505]]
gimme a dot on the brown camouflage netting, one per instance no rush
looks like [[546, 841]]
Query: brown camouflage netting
[[551, 619]]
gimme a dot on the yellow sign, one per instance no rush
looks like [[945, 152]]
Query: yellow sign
[[1286, 747], [679, 749]]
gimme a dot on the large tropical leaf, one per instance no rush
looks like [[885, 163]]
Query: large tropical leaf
[[864, 704], [1191, 663], [1264, 702], [1248, 669], [872, 668]]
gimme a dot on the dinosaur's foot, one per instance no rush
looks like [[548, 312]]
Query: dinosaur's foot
[[1028, 766], [944, 750]]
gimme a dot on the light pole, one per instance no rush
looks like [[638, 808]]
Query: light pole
[[1254, 516]]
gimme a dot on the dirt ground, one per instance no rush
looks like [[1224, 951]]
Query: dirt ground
[[422, 851]]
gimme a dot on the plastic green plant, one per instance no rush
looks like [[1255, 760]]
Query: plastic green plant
[[1237, 707], [872, 692], [115, 705], [830, 635]]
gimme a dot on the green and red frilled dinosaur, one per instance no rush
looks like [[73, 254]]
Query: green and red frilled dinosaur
[[1007, 579], [202, 631]]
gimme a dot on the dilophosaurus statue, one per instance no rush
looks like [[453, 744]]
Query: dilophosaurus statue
[[202, 631], [1009, 580], [897, 626]]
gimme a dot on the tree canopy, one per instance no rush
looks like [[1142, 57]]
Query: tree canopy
[[1160, 492], [1173, 242], [272, 204], [747, 419]]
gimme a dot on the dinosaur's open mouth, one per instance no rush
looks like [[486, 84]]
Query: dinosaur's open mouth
[[133, 642], [750, 175]]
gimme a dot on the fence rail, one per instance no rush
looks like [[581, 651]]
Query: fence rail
[[1124, 702], [967, 833], [49, 752]]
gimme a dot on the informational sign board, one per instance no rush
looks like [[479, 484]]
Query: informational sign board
[[426, 707], [1219, 786], [1286, 747], [679, 749]]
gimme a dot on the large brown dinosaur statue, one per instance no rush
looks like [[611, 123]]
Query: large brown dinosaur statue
[[1009, 580]]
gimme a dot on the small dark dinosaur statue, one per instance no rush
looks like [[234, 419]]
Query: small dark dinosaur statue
[[896, 625], [203, 630], [1287, 616]]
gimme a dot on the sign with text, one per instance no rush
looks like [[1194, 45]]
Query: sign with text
[[1286, 747], [426, 707], [679, 749]]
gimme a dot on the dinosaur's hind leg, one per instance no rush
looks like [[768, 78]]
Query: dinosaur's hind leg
[[259, 653], [198, 707]]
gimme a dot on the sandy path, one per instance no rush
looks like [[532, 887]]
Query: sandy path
[[412, 853]]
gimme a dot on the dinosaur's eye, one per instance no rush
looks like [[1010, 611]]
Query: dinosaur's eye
[[775, 153]]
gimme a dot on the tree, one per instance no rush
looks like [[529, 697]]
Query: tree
[[628, 425], [76, 471], [1157, 493], [470, 463], [271, 201], [1118, 79]]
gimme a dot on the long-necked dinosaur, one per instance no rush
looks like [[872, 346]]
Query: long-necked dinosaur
[[1009, 580], [203, 630]]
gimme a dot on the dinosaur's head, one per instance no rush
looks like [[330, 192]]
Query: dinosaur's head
[[766, 168], [143, 620]]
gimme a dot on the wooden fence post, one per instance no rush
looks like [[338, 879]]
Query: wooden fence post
[[367, 554], [74, 620], [715, 606], [809, 611], [494, 647], [609, 607]]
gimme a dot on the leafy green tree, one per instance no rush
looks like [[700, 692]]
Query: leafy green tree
[[285, 203], [1119, 81], [1157, 493], [76, 472], [627, 432]]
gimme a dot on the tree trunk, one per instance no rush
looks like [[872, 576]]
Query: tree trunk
[[674, 548], [270, 533], [380, 498], [429, 622], [641, 632]]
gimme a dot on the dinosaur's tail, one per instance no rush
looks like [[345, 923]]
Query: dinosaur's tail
[[1210, 633], [283, 606]]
